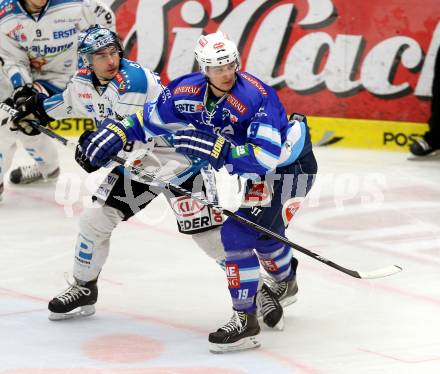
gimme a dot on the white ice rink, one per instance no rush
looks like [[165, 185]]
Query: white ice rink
[[160, 296]]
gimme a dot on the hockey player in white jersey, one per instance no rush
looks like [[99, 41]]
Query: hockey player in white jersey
[[5, 90], [38, 44], [111, 87]]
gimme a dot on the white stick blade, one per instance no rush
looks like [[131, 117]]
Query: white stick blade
[[380, 273]]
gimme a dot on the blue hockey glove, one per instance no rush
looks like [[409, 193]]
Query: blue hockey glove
[[205, 145], [104, 143], [80, 157]]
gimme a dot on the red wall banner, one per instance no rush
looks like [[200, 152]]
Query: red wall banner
[[331, 58]]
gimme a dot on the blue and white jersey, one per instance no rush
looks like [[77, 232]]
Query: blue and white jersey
[[5, 86], [42, 47], [250, 116], [125, 94]]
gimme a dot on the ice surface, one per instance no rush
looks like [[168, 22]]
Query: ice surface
[[160, 296]]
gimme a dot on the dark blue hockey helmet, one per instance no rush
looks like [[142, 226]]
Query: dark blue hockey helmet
[[94, 39]]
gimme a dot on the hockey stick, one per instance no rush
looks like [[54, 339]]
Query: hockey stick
[[378, 273]]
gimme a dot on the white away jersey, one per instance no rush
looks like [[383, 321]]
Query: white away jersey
[[5, 86], [44, 48], [124, 95]]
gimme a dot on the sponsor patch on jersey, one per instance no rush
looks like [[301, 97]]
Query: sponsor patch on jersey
[[188, 106], [218, 146], [6, 9], [83, 71], [184, 206], [258, 194], [84, 250], [61, 34], [187, 90], [49, 50], [85, 95], [192, 216], [128, 122], [240, 151], [103, 191], [255, 83], [290, 208], [233, 275], [268, 264], [119, 78], [236, 104]]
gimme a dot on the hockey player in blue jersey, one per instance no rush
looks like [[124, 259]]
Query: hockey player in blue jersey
[[111, 87], [233, 120]]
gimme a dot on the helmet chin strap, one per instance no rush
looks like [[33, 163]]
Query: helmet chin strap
[[217, 88]]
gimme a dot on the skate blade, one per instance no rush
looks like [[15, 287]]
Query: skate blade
[[288, 301], [250, 342], [280, 325], [434, 156], [83, 311]]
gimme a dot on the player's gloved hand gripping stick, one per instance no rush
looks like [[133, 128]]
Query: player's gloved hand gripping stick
[[149, 177]]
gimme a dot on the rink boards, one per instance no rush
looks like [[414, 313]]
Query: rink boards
[[326, 132]]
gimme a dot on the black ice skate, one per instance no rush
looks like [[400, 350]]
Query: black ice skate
[[238, 334], [422, 148], [76, 301], [285, 291], [31, 174], [269, 308]]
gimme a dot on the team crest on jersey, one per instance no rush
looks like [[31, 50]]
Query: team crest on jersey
[[188, 106], [17, 34], [187, 90], [227, 114], [237, 104]]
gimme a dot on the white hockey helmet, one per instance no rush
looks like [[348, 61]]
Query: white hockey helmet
[[216, 50]]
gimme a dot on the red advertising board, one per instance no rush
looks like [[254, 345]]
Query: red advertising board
[[331, 58]]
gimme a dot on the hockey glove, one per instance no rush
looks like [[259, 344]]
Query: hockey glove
[[298, 117], [104, 143], [29, 103], [80, 156], [205, 145]]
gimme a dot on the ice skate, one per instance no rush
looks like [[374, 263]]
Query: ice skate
[[285, 291], [76, 301], [422, 150], [269, 308], [31, 174], [238, 334]]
